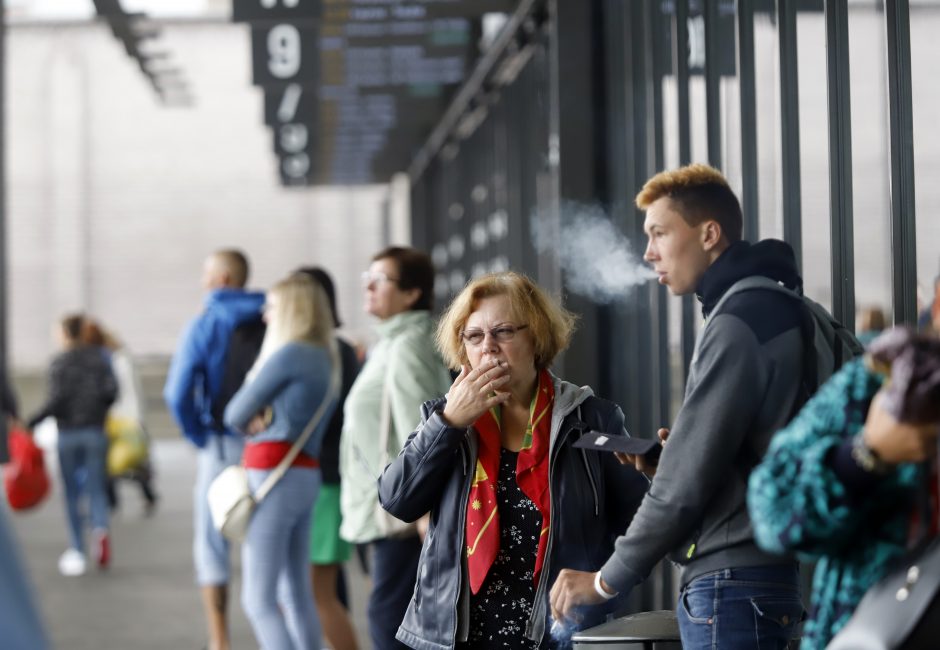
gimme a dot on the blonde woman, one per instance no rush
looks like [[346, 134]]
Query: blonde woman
[[283, 390]]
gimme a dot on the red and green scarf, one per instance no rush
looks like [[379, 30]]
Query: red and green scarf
[[531, 474]]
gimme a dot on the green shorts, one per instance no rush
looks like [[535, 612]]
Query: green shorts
[[326, 546]]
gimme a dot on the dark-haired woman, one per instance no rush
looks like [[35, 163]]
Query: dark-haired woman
[[402, 371], [81, 389]]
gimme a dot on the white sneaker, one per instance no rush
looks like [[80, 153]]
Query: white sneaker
[[72, 563]]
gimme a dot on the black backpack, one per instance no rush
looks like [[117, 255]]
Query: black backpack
[[240, 354]]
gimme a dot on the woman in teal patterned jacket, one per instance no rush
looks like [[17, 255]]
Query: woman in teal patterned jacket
[[838, 486]]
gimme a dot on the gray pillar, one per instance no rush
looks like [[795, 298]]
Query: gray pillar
[[574, 133], [3, 232]]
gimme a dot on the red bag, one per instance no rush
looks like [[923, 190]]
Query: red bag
[[25, 477]]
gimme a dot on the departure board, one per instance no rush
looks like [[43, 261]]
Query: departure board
[[352, 88], [378, 10]]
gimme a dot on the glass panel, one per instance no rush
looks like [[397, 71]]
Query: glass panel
[[730, 101], [871, 166], [814, 155], [925, 19], [767, 90], [698, 119]]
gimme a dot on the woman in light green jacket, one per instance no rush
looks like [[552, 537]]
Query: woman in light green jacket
[[402, 372]]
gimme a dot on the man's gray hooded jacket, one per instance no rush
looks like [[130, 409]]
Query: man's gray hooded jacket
[[745, 382]]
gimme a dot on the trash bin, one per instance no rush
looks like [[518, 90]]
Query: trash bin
[[656, 630]]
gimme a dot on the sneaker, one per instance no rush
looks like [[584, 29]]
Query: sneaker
[[72, 563], [102, 549]]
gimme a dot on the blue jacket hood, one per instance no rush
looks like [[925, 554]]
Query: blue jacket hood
[[234, 305]]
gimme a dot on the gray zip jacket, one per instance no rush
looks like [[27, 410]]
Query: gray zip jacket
[[592, 498], [745, 383]]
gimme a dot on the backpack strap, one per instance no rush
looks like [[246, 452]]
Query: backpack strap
[[749, 283]]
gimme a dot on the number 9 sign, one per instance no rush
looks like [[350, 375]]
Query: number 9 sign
[[284, 53]]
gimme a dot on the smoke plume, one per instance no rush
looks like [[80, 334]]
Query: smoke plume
[[598, 261]]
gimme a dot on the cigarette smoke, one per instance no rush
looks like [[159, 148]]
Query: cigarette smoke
[[561, 632], [598, 261]]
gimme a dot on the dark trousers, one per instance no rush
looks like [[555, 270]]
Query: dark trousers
[[394, 572]]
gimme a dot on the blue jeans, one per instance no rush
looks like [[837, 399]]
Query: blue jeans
[[82, 455], [210, 549], [276, 593], [751, 608]]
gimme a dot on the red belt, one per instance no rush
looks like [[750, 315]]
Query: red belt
[[267, 455]]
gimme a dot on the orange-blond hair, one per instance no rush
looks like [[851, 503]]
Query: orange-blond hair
[[699, 193], [549, 324]]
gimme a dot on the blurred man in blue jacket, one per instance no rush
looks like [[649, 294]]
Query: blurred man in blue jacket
[[198, 382]]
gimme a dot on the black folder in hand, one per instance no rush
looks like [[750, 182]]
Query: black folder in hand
[[599, 441]]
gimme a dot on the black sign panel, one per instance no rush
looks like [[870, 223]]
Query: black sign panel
[[379, 10], [284, 53], [438, 31], [296, 171], [357, 138], [352, 87], [254, 11], [294, 138], [291, 103], [393, 65]]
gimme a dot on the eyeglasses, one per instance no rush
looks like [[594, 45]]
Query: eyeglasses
[[375, 277], [501, 334]]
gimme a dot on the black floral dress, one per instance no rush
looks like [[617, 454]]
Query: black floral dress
[[500, 611]]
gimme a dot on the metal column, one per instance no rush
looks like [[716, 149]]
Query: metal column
[[660, 299], [661, 370], [901, 147], [680, 58], [712, 85], [840, 162], [576, 92], [790, 127], [748, 90]]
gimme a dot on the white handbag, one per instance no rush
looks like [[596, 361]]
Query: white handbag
[[231, 502]]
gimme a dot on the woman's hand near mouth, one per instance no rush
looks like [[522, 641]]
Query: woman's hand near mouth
[[475, 391]]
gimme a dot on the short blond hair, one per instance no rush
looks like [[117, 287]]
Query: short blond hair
[[700, 193], [233, 262], [549, 324]]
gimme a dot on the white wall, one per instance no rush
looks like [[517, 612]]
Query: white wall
[[114, 200]]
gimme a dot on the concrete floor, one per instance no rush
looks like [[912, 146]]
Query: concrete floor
[[147, 599]]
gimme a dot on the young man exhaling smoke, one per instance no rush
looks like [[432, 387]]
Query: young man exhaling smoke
[[743, 385]]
